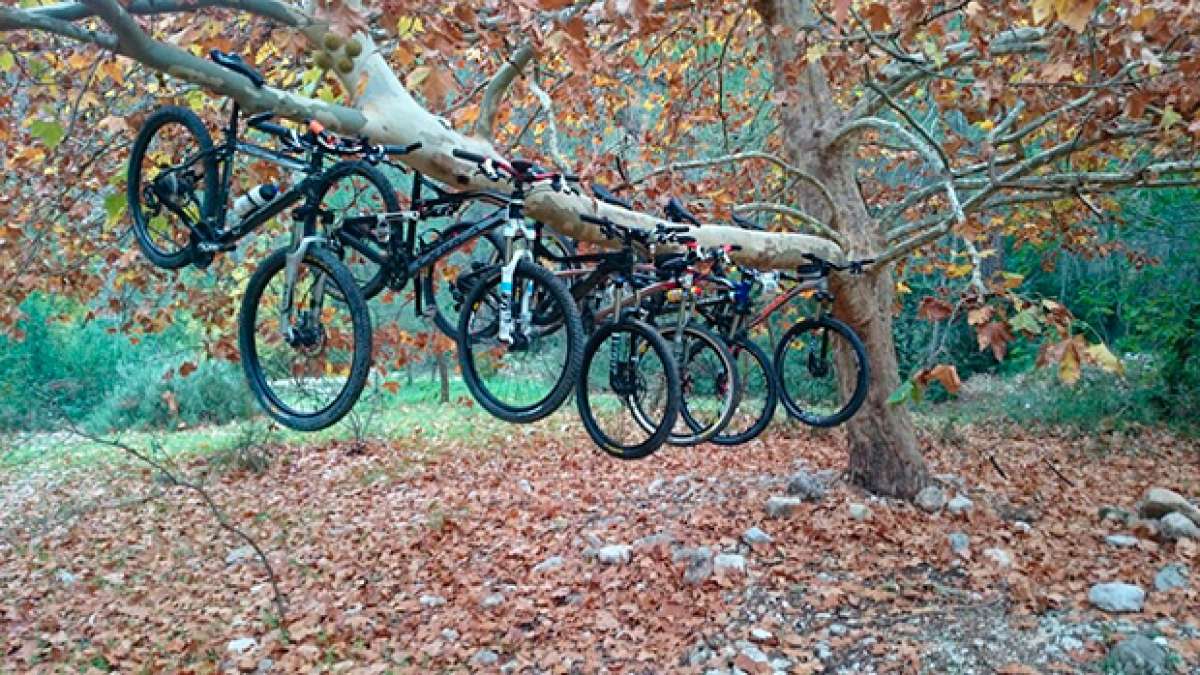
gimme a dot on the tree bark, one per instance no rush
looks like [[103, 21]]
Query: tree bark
[[884, 457]]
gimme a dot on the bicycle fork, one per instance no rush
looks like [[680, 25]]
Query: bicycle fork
[[510, 331]]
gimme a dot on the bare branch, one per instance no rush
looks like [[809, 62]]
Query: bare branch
[[19, 19], [497, 87], [281, 12], [548, 108], [794, 171]]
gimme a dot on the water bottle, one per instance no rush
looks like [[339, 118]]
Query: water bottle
[[253, 200]]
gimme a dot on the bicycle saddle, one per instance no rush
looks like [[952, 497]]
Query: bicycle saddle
[[677, 213], [605, 195], [670, 264], [524, 167], [747, 223], [236, 64]]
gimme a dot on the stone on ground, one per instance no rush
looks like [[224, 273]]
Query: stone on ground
[[614, 554], [959, 542], [1117, 596], [553, 562], [239, 554], [999, 556], [931, 499], [959, 505], [754, 536], [1171, 577], [1158, 502], [782, 507], [729, 563], [1175, 525], [860, 512], [1121, 540], [241, 645], [1138, 655], [485, 657], [806, 487]]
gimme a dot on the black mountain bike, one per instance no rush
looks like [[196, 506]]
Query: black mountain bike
[[179, 182], [301, 342]]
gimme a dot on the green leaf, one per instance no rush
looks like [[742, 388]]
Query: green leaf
[[1026, 320], [903, 393], [50, 132], [7, 61], [114, 206]]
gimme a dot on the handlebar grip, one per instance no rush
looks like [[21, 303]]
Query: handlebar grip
[[594, 220], [469, 156], [401, 149], [673, 228], [571, 177], [273, 129], [684, 240]]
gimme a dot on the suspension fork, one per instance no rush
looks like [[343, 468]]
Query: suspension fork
[[287, 312], [685, 311], [515, 226]]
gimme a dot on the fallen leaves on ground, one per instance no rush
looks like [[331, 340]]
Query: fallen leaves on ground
[[406, 556]]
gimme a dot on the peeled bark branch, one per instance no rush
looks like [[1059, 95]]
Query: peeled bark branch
[[796, 214]]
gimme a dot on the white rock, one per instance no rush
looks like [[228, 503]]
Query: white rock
[[241, 645], [1171, 577], [239, 554], [959, 542], [1117, 596], [755, 536], [432, 600], [1175, 525], [860, 512], [838, 629], [931, 499], [525, 486], [1023, 526], [805, 487], [760, 634], [492, 600], [449, 635], [1121, 540], [614, 554], [753, 653], [782, 507], [1158, 502], [553, 562], [65, 577], [729, 563], [485, 657], [959, 505], [999, 556]]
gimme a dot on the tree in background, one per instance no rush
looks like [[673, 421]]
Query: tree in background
[[923, 134]]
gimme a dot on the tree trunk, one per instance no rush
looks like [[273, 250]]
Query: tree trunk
[[443, 370], [884, 456]]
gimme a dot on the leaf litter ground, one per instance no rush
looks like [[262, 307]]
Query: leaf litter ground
[[419, 555]]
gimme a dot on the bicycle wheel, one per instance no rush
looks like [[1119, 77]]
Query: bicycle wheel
[[811, 360], [759, 394], [309, 373], [171, 184], [349, 190], [628, 390], [528, 378], [446, 283], [708, 382]]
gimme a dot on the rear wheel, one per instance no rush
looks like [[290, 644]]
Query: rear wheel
[[171, 185], [811, 360], [308, 369], [628, 390], [529, 376], [351, 190], [758, 397], [446, 283], [708, 382]]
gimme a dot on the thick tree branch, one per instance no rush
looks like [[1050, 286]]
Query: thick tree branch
[[796, 214], [19, 19], [281, 12]]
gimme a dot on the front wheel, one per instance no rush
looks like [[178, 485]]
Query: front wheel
[[812, 360], [527, 375], [628, 392], [307, 364]]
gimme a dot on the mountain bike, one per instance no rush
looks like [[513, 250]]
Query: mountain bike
[[628, 394], [388, 240], [178, 182], [813, 355]]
